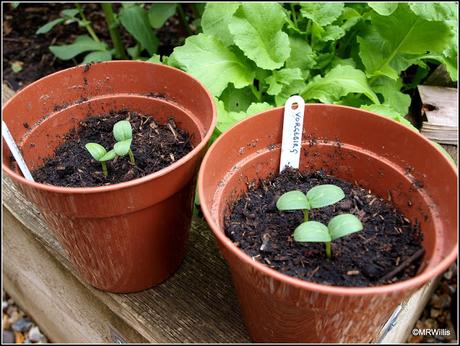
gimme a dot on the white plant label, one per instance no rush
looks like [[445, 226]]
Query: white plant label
[[291, 144], [15, 151]]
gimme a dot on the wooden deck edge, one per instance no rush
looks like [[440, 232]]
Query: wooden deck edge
[[65, 309]]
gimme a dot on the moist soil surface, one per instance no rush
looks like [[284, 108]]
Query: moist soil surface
[[30, 51], [155, 146], [387, 244]]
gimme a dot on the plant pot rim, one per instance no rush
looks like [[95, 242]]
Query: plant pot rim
[[127, 184], [414, 282]]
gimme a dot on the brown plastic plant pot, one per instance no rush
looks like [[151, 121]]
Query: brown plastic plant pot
[[376, 152], [129, 236]]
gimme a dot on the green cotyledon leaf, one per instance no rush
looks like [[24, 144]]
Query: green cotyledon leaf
[[257, 30], [293, 200], [342, 225], [122, 130], [312, 231], [323, 195], [206, 58]]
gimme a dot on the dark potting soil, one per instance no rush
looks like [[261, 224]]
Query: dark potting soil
[[155, 146], [388, 249]]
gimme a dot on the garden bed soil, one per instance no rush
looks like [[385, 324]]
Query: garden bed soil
[[155, 146], [23, 47], [388, 249]]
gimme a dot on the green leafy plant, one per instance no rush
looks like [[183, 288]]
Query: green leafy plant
[[313, 231], [317, 197], [137, 20], [339, 226], [344, 53], [123, 134], [99, 153]]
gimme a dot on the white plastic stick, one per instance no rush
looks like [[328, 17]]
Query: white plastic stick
[[15, 151], [291, 144]]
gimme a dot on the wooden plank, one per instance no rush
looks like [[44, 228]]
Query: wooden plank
[[65, 309], [439, 106]]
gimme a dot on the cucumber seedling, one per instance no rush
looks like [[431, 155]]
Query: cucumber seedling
[[338, 227], [314, 231], [123, 134], [317, 197], [99, 153]]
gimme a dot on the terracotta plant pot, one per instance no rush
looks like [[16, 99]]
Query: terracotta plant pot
[[354, 145], [129, 236]]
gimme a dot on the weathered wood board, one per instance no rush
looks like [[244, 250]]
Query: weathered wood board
[[197, 304]]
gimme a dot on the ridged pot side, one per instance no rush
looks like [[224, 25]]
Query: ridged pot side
[[353, 145], [123, 237]]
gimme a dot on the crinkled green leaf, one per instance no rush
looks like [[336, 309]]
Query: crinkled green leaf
[[281, 78], [122, 130], [237, 100], [302, 56], [159, 13], [216, 18], [349, 18], [323, 195], [393, 43], [387, 110], [256, 30], [135, 20], [50, 25], [121, 148], [226, 119], [435, 11], [342, 225], [293, 200], [383, 8], [206, 58], [82, 44], [155, 58], [322, 13], [103, 55], [96, 150], [285, 83], [390, 89], [258, 107], [338, 82], [332, 33], [311, 232]]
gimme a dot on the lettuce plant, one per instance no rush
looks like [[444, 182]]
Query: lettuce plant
[[253, 56]]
